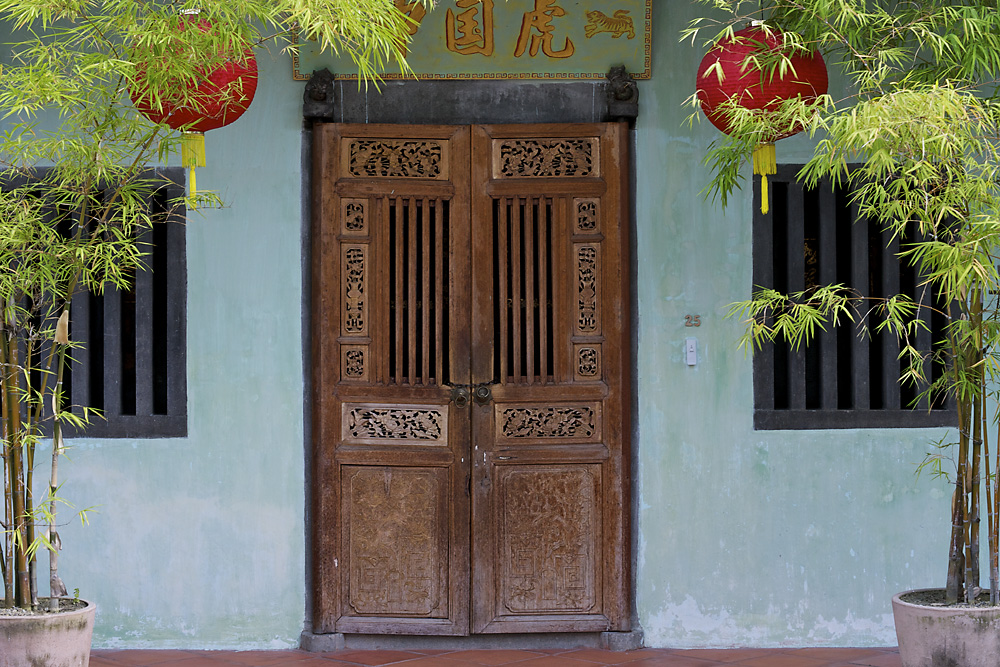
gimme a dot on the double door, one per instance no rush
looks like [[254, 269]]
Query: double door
[[470, 383]]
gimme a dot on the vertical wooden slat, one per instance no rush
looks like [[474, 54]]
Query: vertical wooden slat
[[382, 373], [796, 283], [924, 295], [890, 346], [763, 276], [859, 281], [828, 276], [439, 280], [80, 333], [529, 289], [543, 289], [411, 280], [176, 310], [564, 296], [516, 295], [425, 281], [400, 216], [503, 271]]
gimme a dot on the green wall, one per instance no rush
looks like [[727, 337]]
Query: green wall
[[748, 538], [744, 538], [199, 542]]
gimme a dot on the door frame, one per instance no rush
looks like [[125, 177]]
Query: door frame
[[563, 102]]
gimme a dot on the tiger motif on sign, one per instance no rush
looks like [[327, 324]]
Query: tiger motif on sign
[[618, 25]]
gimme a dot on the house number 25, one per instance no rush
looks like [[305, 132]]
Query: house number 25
[[692, 320]]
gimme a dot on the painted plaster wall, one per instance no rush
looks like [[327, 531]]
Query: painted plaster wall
[[199, 541], [748, 538]]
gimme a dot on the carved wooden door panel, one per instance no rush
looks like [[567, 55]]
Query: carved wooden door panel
[[549, 320], [470, 379], [391, 294]]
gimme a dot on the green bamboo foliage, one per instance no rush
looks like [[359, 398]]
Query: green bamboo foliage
[[916, 137], [71, 227]]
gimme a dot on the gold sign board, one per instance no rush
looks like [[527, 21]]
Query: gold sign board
[[511, 39]]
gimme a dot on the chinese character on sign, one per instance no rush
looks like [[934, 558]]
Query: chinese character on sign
[[536, 31], [415, 12], [469, 33]]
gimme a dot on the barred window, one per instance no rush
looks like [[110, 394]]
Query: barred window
[[843, 378], [131, 362]]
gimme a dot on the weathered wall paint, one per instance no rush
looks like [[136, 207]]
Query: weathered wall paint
[[199, 541], [745, 538], [748, 538]]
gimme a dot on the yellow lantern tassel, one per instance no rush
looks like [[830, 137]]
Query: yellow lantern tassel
[[192, 157], [765, 163]]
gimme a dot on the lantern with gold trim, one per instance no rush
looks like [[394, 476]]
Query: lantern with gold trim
[[731, 71], [216, 100]]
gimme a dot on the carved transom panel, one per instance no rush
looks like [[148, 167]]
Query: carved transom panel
[[568, 421], [551, 528], [546, 158], [355, 216], [394, 527], [587, 215], [413, 424], [355, 312], [588, 317], [396, 158]]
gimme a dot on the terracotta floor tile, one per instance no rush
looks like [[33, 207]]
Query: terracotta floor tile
[[143, 657], [256, 658], [838, 654], [102, 661], [554, 661], [603, 657], [674, 660], [726, 655], [492, 657], [781, 660], [887, 660], [373, 658]]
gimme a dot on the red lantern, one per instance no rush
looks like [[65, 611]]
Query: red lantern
[[218, 100], [753, 88]]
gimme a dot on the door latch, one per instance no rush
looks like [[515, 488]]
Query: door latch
[[483, 393], [460, 395]]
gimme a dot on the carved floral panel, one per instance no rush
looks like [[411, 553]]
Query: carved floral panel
[[588, 362], [396, 158], [354, 216], [543, 422], [546, 158], [550, 532], [354, 365], [388, 424], [588, 321], [355, 284], [587, 215], [397, 561]]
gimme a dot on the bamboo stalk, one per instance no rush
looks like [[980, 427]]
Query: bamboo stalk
[[8, 555]]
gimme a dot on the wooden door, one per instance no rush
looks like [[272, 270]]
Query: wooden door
[[470, 380]]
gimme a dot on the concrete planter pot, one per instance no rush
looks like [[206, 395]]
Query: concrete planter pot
[[946, 636], [53, 640]]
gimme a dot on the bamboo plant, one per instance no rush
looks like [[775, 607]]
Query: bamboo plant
[[916, 138], [75, 177]]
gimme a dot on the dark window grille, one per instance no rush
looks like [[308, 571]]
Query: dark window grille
[[842, 379], [131, 363]]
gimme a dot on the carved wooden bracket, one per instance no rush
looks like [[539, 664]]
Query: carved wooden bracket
[[623, 95], [318, 101]]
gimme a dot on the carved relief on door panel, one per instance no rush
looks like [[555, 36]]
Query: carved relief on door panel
[[395, 424], [548, 424], [546, 158], [550, 539], [396, 158], [397, 535]]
